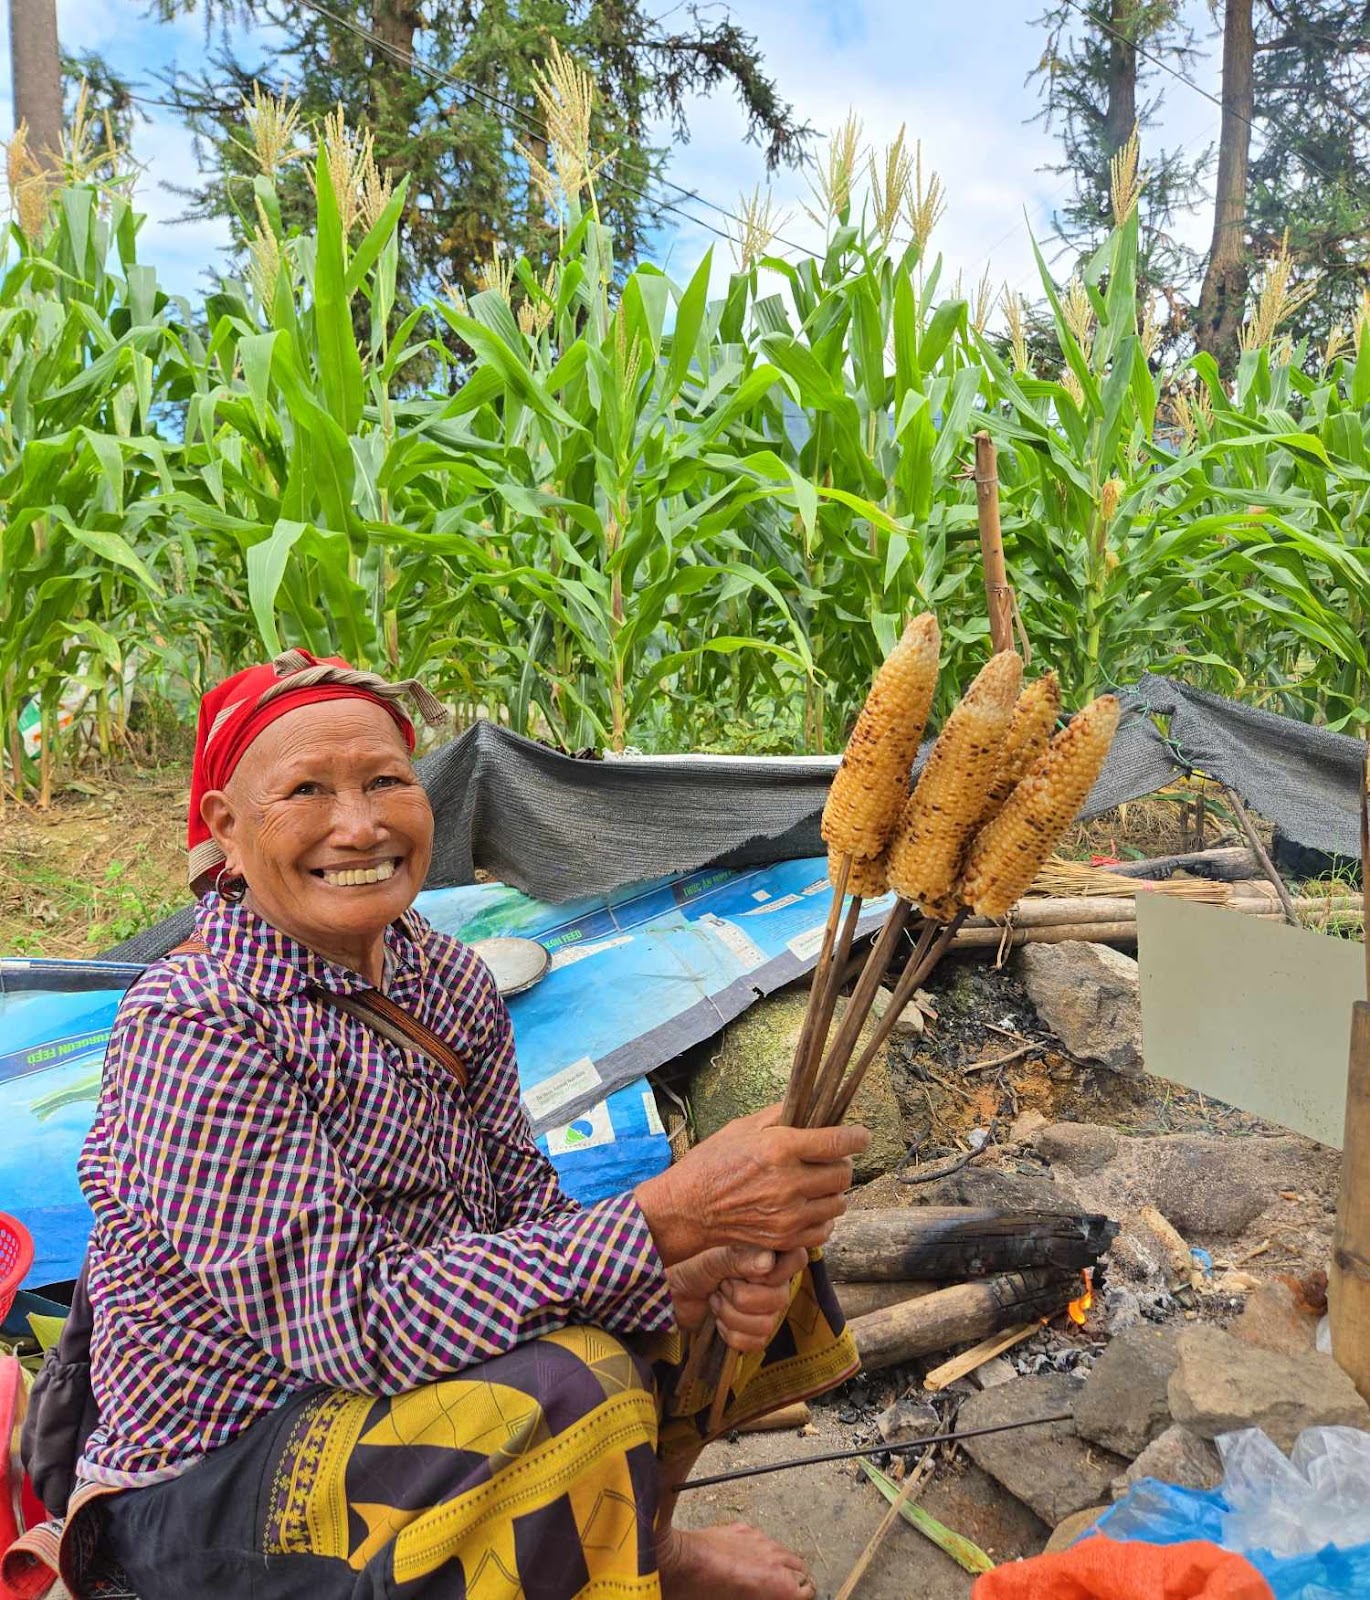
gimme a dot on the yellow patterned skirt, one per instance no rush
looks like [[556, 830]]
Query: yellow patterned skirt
[[535, 1476]]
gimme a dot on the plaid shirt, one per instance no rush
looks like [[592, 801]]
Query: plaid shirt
[[283, 1198]]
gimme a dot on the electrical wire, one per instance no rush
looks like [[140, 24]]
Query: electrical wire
[[1213, 99], [409, 59]]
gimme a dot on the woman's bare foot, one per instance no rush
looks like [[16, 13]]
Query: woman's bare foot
[[733, 1560]]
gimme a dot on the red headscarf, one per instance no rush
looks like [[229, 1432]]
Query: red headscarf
[[233, 715]]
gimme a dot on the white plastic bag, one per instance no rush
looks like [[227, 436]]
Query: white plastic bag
[[1295, 1505]]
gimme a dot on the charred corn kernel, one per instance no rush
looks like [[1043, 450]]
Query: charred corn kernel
[[1009, 851], [943, 811], [872, 783], [1029, 732], [867, 877]]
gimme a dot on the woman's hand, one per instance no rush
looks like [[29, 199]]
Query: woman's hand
[[752, 1183], [747, 1290]]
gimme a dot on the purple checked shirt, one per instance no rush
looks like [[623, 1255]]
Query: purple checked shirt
[[283, 1198]]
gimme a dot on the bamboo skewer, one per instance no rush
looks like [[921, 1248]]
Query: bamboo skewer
[[912, 1487], [858, 1007], [911, 980], [805, 1055]]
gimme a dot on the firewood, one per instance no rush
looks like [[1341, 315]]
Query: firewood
[[965, 1312], [900, 1243]]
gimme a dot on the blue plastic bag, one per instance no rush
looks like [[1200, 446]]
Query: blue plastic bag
[[1159, 1513]]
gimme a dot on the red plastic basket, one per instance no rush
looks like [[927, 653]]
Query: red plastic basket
[[16, 1257]]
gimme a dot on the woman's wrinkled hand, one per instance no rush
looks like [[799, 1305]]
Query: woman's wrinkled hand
[[746, 1289], [755, 1183]]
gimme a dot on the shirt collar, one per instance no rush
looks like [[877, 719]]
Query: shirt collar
[[273, 966]]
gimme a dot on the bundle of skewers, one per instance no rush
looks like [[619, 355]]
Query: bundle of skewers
[[999, 789]]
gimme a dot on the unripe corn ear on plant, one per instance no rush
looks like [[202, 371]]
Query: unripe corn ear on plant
[[1010, 850], [946, 806], [1029, 732], [871, 785]]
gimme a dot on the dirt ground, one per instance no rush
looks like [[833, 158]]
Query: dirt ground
[[97, 866], [828, 1513]]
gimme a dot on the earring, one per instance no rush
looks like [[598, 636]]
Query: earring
[[231, 891]]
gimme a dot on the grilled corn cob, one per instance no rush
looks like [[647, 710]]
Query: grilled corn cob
[[870, 787], [1010, 850], [1029, 732], [867, 877], [943, 811]]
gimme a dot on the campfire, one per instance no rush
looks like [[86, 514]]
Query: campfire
[[1078, 1310]]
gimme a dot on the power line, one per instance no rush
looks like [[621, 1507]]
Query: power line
[[409, 59], [1213, 99]]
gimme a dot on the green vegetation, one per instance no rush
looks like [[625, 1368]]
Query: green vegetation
[[628, 511]]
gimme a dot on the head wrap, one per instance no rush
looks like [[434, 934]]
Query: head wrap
[[233, 715]]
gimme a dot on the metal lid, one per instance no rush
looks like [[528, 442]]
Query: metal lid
[[517, 964]]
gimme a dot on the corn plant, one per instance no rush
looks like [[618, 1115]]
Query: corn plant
[[609, 509]]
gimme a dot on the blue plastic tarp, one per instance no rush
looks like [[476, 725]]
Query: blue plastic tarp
[[636, 977], [1160, 1513]]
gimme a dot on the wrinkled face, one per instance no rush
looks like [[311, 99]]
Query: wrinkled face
[[326, 820]]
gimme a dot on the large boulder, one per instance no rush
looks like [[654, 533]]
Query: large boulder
[[1221, 1384], [1088, 996], [1125, 1404], [750, 1067], [1051, 1469]]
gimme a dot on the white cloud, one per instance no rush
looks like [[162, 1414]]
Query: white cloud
[[953, 71]]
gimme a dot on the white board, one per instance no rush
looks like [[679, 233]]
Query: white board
[[1255, 1013]]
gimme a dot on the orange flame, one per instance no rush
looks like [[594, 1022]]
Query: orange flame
[[1078, 1310]]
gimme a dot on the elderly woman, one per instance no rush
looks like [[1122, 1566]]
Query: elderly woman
[[350, 1338]]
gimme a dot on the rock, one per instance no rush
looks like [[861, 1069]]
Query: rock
[[1122, 1308], [993, 1373], [1274, 1320], [1049, 1468], [1005, 1191], [1178, 1456], [907, 1419], [750, 1068], [1088, 996], [1081, 1146], [1221, 1384], [1026, 1125], [1125, 1404], [909, 1023], [1073, 1529], [1208, 1187]]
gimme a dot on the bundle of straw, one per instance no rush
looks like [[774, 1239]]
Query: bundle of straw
[[1061, 877]]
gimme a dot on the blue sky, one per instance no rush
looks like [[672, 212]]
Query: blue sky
[[952, 70]]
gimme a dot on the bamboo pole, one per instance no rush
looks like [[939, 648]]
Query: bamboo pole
[[998, 594], [1348, 1281], [1262, 855]]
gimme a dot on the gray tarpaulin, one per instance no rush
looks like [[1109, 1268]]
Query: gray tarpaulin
[[558, 827]]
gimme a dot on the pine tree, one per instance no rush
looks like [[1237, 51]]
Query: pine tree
[[1293, 151], [1099, 80], [1310, 168], [447, 94]]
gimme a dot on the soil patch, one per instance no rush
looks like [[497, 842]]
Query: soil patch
[[96, 867]]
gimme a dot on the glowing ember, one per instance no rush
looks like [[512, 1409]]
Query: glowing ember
[[1078, 1310]]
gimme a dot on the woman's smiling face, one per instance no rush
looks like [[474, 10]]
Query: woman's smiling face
[[326, 820]]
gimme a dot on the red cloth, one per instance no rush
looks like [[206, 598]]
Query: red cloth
[[1108, 1569], [232, 716]]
